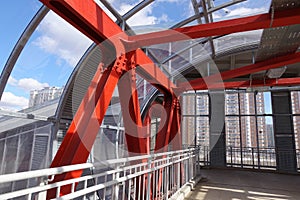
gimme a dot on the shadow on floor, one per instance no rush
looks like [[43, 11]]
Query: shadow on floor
[[226, 184]]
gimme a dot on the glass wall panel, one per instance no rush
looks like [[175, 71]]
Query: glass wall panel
[[188, 131], [202, 106], [248, 131], [268, 103], [295, 100], [188, 104], [232, 104], [265, 132], [297, 131], [202, 131], [247, 104], [232, 127]]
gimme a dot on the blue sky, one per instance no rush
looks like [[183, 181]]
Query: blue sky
[[55, 47]]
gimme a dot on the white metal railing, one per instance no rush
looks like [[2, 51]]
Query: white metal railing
[[156, 176]]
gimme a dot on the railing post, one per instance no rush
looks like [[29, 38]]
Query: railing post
[[231, 156], [148, 192], [116, 187], [41, 195], [253, 162], [207, 155]]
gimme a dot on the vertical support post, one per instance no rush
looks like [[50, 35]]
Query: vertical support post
[[162, 137], [136, 134], [217, 129], [256, 129], [284, 132], [241, 139], [84, 128], [134, 131]]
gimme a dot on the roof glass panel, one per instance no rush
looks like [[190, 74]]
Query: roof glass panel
[[45, 64], [15, 15]]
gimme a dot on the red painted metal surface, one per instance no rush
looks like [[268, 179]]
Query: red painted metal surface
[[175, 133], [261, 21], [84, 128], [207, 82], [135, 132], [91, 20]]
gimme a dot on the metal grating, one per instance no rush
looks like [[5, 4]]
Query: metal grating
[[282, 40], [278, 42], [285, 4], [80, 82]]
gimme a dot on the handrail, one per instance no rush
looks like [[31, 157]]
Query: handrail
[[124, 171]]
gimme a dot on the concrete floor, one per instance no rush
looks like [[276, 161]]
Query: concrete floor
[[228, 184]]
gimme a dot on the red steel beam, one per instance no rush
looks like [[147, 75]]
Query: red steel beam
[[84, 128], [92, 21], [261, 21], [86, 16], [208, 81], [175, 133], [163, 136], [135, 132], [149, 71]]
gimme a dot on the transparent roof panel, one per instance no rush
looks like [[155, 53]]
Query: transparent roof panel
[[57, 46], [45, 63], [15, 15], [166, 13], [178, 56], [242, 9]]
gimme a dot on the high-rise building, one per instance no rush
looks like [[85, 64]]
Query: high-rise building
[[244, 126], [38, 97], [188, 123], [295, 100], [250, 130], [202, 120]]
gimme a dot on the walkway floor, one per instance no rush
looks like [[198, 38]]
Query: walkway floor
[[231, 184]]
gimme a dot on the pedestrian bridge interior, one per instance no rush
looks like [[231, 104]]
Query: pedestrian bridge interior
[[201, 107]]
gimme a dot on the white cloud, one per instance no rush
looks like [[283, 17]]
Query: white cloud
[[243, 11], [216, 16], [61, 39], [12, 81], [11, 102], [163, 18], [27, 84], [143, 17]]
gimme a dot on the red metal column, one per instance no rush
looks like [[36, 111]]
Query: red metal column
[[84, 128], [150, 72], [136, 135], [92, 21], [175, 133], [163, 136]]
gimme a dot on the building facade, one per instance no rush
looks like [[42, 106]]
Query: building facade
[[38, 97]]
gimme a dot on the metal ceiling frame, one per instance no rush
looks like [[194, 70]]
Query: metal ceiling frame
[[91, 20], [94, 23]]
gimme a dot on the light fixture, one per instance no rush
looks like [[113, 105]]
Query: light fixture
[[276, 72]]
